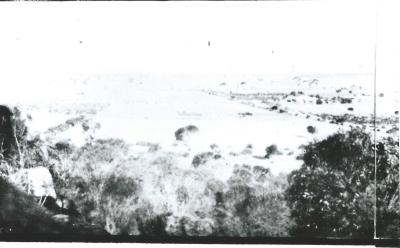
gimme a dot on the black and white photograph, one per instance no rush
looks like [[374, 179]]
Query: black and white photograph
[[200, 122]]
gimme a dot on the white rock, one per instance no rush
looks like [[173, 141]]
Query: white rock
[[35, 181]]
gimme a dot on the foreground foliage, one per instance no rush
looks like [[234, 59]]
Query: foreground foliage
[[156, 191], [333, 193], [162, 193]]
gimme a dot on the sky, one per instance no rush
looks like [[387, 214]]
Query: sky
[[51, 40]]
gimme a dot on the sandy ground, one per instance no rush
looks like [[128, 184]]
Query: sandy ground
[[230, 111]]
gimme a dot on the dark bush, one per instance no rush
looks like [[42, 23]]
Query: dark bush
[[120, 187], [64, 147], [204, 157], [154, 226], [271, 150], [311, 129], [201, 158], [388, 202], [345, 100], [332, 194], [248, 211], [183, 131]]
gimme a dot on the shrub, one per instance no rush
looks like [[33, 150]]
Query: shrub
[[311, 129], [332, 194], [388, 202], [346, 100], [102, 151], [271, 150], [250, 208], [274, 107], [204, 157], [184, 131], [119, 187]]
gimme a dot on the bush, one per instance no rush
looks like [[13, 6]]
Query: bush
[[332, 194], [184, 131], [388, 202], [346, 100], [311, 129], [250, 208], [271, 150]]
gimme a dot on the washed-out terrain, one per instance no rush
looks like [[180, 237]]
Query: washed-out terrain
[[234, 113]]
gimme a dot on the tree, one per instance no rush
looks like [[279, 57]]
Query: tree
[[333, 193]]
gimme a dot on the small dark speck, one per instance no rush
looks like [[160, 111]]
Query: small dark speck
[[80, 42]]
